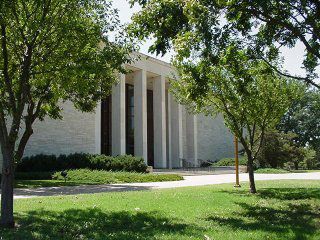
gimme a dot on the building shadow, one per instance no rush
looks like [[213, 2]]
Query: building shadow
[[281, 193], [290, 193], [96, 224], [72, 190]]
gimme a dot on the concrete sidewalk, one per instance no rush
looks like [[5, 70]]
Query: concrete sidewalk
[[188, 181]]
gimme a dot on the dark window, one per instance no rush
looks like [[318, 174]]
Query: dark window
[[150, 130], [129, 119], [106, 142]]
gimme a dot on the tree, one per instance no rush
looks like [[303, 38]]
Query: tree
[[251, 97], [264, 27], [51, 51], [219, 71], [303, 119], [280, 150]]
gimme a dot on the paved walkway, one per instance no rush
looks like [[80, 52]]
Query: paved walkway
[[187, 182]]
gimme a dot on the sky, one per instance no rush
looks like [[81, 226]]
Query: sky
[[292, 57]]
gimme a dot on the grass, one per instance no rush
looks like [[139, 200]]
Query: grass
[[281, 210], [278, 170], [93, 177]]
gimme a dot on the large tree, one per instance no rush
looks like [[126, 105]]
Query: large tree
[[249, 95], [303, 119], [220, 70], [264, 27], [51, 51]]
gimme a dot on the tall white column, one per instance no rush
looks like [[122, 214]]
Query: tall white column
[[140, 114], [192, 139], [175, 133], [119, 117], [159, 116]]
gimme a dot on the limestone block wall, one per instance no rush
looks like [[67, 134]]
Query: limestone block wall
[[214, 140], [74, 133]]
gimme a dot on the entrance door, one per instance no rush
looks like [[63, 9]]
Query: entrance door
[[106, 143], [150, 130], [129, 119]]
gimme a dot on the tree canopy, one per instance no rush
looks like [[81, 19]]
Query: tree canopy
[[52, 51], [302, 119], [262, 27], [251, 96], [224, 67]]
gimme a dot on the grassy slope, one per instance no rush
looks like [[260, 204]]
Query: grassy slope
[[281, 210]]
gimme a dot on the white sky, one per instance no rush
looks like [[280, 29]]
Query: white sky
[[292, 57]]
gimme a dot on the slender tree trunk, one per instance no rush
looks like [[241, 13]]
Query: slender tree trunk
[[296, 165], [7, 179], [251, 174]]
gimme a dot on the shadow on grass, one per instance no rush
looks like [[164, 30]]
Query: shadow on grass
[[290, 193], [281, 193], [292, 214], [45, 183], [95, 224]]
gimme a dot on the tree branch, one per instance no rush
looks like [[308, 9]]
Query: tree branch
[[8, 82], [305, 79]]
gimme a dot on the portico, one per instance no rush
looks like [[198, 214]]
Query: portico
[[142, 118]]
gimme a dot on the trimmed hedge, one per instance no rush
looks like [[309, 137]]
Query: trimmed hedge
[[87, 176], [51, 163], [33, 175], [271, 170], [230, 162]]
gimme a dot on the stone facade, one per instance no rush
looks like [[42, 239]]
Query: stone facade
[[74, 133], [214, 140]]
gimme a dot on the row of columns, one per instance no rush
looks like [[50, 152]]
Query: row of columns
[[174, 123]]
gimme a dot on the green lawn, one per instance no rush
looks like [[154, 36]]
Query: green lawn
[[281, 210], [279, 171]]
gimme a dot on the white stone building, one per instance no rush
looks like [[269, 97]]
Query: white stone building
[[140, 118]]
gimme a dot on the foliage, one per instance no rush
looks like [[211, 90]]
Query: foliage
[[230, 162], [55, 51], [271, 170], [52, 51], [219, 72], [50, 163], [282, 210], [33, 175], [240, 92], [264, 28], [87, 176], [280, 151], [303, 120]]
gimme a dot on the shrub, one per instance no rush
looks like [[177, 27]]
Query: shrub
[[87, 176], [280, 150], [32, 176], [38, 163], [271, 170], [230, 162], [51, 163]]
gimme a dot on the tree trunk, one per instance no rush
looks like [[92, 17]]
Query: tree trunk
[[296, 165], [7, 179], [251, 174]]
